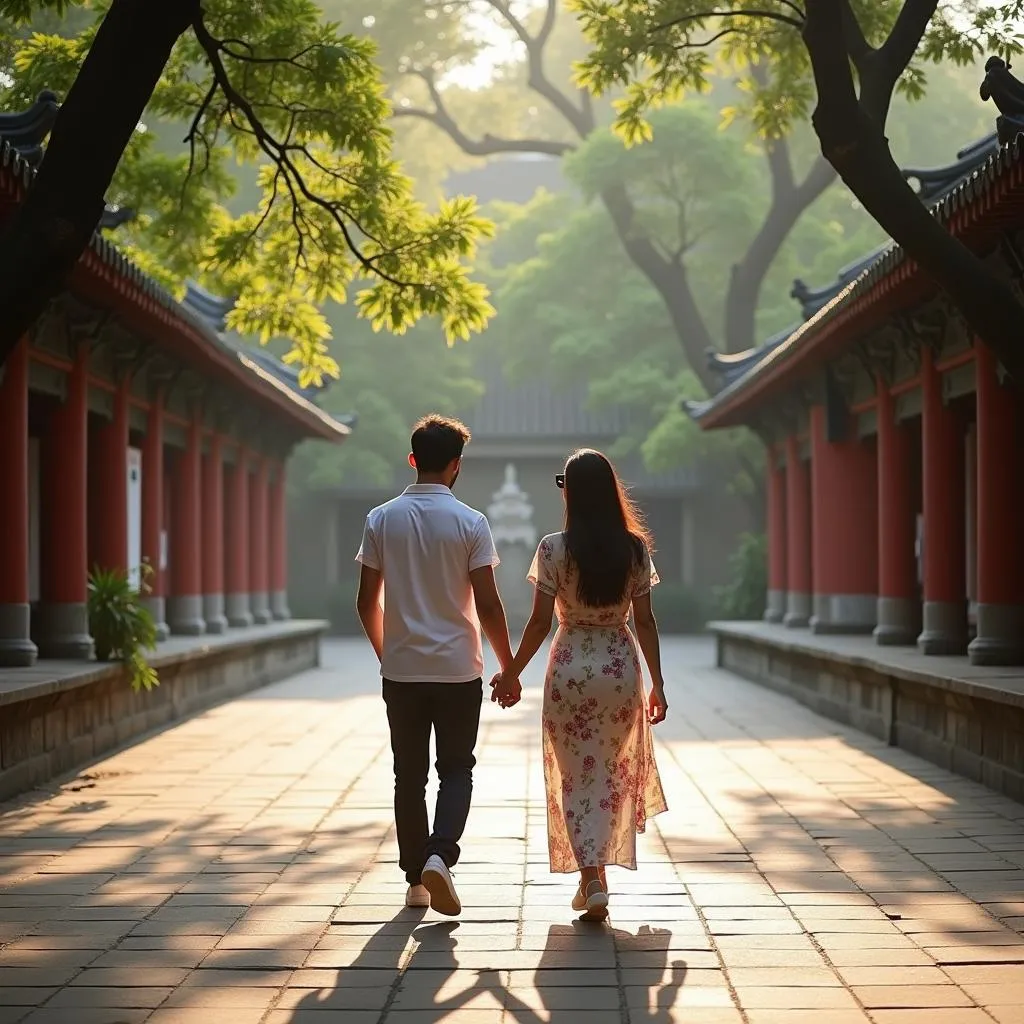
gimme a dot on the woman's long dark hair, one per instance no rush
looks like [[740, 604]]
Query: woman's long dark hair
[[605, 534]]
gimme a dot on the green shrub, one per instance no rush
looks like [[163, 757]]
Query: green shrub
[[744, 596], [121, 627]]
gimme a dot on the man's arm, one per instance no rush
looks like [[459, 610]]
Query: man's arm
[[491, 613], [371, 615]]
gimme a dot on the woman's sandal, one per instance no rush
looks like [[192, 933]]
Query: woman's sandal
[[593, 901]]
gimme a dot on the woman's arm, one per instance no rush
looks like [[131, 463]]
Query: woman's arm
[[506, 684], [536, 632], [647, 635]]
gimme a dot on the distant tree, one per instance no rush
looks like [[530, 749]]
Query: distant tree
[[572, 306], [847, 59], [272, 85], [555, 117]]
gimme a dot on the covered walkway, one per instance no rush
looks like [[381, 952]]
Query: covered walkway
[[240, 868]]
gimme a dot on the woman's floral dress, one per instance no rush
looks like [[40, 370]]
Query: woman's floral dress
[[599, 769]]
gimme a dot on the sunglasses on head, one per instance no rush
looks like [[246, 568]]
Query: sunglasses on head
[[560, 480]]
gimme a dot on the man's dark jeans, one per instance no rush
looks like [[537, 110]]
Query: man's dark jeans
[[452, 710]]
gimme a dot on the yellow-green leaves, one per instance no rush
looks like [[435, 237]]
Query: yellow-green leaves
[[268, 94]]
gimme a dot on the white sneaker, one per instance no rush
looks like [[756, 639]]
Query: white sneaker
[[437, 880], [417, 896]]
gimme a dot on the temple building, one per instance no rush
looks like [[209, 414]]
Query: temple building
[[522, 433], [895, 491], [133, 430]]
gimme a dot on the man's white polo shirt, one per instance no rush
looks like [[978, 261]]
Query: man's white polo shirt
[[425, 543]]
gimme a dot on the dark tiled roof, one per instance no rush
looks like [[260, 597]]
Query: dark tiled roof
[[1000, 178], [944, 190], [813, 299], [26, 130], [730, 367], [536, 409], [938, 182], [21, 138]]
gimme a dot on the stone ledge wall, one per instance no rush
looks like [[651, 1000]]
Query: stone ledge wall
[[977, 738], [44, 737]]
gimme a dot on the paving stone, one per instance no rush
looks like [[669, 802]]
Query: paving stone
[[237, 872]]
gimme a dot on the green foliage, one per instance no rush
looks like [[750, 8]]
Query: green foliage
[[744, 596], [389, 381], [658, 51], [573, 306], [121, 627], [299, 101]]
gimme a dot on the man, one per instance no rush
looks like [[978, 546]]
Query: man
[[433, 559]]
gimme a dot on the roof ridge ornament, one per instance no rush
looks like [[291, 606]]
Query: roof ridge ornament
[[1006, 91]]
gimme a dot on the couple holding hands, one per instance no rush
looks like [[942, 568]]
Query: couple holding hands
[[434, 558]]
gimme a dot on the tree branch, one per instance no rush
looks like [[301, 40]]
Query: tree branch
[[669, 280], [486, 146], [794, 21], [280, 153], [857, 45], [899, 49]]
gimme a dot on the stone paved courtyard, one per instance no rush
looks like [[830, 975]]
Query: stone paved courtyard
[[240, 868]]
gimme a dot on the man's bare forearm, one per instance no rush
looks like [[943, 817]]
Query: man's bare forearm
[[372, 620]]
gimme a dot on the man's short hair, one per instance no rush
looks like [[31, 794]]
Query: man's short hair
[[437, 441]]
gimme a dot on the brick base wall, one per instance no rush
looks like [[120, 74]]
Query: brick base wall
[[977, 738]]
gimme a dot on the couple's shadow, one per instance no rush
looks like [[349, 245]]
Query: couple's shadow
[[428, 978]]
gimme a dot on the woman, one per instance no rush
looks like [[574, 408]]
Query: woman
[[599, 770]]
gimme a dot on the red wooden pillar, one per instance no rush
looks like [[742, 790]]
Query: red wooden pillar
[[108, 488], [259, 581], [153, 522], [16, 647], [775, 608], [279, 545], [798, 538], [945, 525], [844, 500], [62, 626], [236, 532], [213, 537], [1000, 513], [185, 604], [899, 609]]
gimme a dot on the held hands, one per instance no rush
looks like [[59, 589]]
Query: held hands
[[657, 706], [506, 690]]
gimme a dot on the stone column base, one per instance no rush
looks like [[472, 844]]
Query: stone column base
[[261, 614], [62, 631], [898, 622], [238, 611], [213, 614], [158, 609], [798, 610], [775, 606], [185, 615], [1000, 635], [945, 628], [16, 647], [279, 605], [844, 613]]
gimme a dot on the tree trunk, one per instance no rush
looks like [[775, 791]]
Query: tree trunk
[[987, 303], [671, 283], [851, 131], [789, 202], [49, 231]]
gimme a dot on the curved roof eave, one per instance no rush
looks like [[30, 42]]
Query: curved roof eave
[[960, 208], [155, 310]]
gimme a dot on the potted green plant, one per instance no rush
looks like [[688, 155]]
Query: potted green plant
[[122, 629]]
